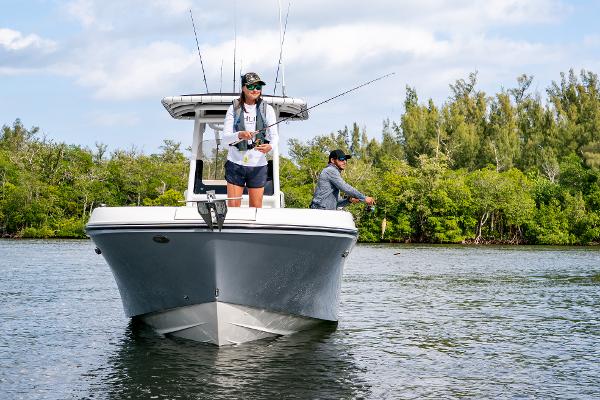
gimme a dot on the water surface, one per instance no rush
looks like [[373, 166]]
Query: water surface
[[415, 322]]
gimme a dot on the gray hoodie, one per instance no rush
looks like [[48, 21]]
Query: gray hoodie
[[328, 189]]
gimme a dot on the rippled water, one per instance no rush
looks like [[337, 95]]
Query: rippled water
[[415, 322]]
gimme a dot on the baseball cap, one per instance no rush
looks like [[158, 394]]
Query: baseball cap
[[339, 155], [251, 78]]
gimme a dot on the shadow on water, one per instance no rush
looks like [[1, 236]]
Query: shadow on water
[[310, 364]]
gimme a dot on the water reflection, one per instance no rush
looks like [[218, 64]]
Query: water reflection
[[311, 364]]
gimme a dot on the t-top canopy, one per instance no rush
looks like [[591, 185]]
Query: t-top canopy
[[213, 106]]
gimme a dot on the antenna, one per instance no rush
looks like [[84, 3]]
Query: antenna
[[221, 85], [234, 40], [281, 39], [198, 46]]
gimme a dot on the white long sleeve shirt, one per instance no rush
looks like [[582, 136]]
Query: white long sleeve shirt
[[253, 157]]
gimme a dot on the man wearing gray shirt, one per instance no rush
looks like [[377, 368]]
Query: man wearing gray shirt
[[330, 183]]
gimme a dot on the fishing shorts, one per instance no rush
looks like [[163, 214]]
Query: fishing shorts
[[240, 175]]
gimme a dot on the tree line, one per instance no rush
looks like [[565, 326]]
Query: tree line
[[514, 167]]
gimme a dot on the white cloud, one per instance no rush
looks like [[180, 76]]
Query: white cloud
[[330, 42], [12, 40], [521, 11], [84, 11], [130, 73], [109, 16], [328, 56], [350, 44], [428, 43], [16, 71], [437, 15], [173, 7]]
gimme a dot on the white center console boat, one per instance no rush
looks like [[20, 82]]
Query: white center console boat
[[222, 275]]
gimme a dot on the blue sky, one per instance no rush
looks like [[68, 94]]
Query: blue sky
[[91, 71]]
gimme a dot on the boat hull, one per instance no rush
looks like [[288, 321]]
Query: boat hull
[[261, 280], [225, 324]]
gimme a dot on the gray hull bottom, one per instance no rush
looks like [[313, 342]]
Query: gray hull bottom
[[226, 287], [225, 324]]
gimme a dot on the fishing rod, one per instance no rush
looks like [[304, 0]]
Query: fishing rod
[[329, 99], [316, 105], [199, 55]]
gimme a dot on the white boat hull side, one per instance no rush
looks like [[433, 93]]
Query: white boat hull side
[[296, 273], [225, 324], [187, 280]]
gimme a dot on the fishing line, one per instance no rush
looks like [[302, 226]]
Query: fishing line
[[321, 103], [329, 99]]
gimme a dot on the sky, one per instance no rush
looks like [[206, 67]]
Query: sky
[[94, 71]]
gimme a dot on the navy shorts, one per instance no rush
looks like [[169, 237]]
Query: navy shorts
[[240, 175]]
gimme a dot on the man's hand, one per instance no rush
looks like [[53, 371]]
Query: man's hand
[[370, 201], [354, 200]]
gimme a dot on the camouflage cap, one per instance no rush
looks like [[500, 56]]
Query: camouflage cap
[[251, 78]]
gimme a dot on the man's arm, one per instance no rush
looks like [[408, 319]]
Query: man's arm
[[339, 183], [343, 203]]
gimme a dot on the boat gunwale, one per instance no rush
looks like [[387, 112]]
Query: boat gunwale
[[228, 227]]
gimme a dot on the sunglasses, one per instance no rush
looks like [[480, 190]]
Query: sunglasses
[[342, 158], [254, 86]]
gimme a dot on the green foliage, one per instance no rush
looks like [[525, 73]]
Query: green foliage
[[551, 225], [43, 232], [49, 189], [70, 228], [296, 185], [169, 198], [507, 168]]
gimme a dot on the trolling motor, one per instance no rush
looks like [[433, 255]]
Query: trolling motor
[[212, 211]]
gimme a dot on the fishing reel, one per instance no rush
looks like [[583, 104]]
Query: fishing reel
[[243, 145], [369, 209]]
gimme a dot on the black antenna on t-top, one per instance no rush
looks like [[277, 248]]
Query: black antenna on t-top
[[198, 46], [282, 39], [234, 41]]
